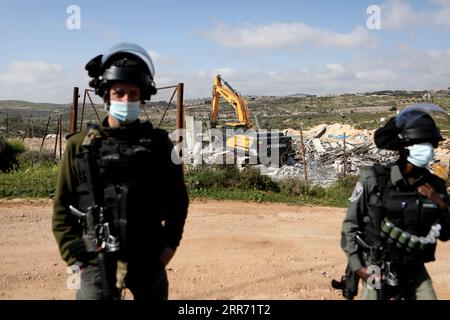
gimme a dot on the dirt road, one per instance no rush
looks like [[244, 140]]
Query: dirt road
[[230, 250]]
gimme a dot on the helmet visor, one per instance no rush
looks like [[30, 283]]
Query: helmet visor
[[134, 49]]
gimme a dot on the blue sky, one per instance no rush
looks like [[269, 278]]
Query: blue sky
[[261, 47]]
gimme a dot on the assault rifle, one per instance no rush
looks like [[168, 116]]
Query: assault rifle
[[380, 269], [99, 237], [377, 267], [348, 284]]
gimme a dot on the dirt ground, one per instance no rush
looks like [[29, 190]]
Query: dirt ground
[[230, 250]]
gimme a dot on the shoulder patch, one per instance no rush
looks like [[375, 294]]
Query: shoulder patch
[[357, 192]]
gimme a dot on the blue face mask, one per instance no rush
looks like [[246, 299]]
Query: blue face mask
[[125, 112], [421, 154]]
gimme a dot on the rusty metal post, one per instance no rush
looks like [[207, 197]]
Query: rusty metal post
[[60, 137], [180, 117], [305, 169], [82, 109], [26, 130], [56, 138], [45, 133], [74, 112], [6, 135], [344, 171]]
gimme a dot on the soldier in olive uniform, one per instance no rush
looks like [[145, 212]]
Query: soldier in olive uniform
[[401, 210], [124, 172]]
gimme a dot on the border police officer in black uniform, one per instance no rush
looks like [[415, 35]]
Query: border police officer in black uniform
[[121, 202], [398, 212]]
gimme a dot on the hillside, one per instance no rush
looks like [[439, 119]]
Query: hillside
[[362, 110]]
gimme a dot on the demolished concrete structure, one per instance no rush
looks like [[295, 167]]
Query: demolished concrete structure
[[331, 151]]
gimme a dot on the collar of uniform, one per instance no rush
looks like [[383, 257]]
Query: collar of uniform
[[130, 131], [396, 175], [105, 124]]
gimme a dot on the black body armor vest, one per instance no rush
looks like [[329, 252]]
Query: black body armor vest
[[405, 209], [117, 174]]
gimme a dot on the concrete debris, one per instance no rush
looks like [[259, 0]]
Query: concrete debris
[[318, 146], [330, 152]]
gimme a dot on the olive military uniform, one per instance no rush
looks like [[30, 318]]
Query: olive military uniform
[[364, 215], [156, 207]]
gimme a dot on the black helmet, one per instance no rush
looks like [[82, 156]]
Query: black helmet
[[126, 62], [417, 123]]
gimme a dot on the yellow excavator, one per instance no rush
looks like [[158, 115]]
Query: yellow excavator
[[442, 172], [221, 88], [249, 143]]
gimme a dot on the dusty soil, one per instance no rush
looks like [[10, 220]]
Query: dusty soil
[[230, 250]]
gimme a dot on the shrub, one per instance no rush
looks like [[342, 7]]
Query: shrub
[[8, 159], [204, 177], [292, 186], [251, 178], [32, 158]]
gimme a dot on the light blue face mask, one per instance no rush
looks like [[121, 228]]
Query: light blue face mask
[[125, 112], [421, 154]]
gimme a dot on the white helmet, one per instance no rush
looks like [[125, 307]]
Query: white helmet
[[125, 62]]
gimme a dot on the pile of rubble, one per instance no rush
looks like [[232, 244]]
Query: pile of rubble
[[324, 168], [330, 151]]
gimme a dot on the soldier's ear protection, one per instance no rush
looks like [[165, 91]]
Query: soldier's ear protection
[[386, 137], [94, 69], [94, 66]]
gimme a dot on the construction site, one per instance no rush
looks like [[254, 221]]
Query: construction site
[[313, 149]]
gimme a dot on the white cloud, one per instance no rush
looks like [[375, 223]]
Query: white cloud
[[287, 35], [39, 81], [160, 59], [406, 69], [398, 14], [441, 17], [225, 72], [440, 2], [108, 33]]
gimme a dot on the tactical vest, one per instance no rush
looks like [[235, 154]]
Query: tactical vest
[[111, 170], [407, 211]]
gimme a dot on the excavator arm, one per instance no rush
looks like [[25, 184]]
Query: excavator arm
[[221, 88]]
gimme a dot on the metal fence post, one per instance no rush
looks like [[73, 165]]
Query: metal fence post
[[45, 133], [180, 117], [305, 169], [74, 111]]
